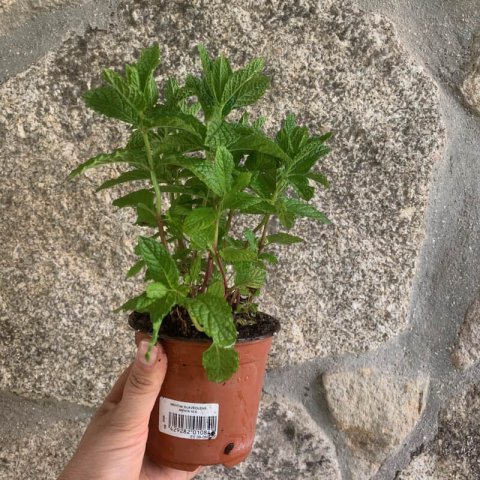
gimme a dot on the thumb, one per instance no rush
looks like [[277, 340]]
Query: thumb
[[143, 385]]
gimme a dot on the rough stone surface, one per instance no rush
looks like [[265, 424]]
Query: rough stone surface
[[15, 12], [37, 438], [467, 350], [471, 83], [288, 445], [67, 250], [375, 412], [454, 454]]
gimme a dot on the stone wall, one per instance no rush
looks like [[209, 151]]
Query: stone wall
[[375, 374]]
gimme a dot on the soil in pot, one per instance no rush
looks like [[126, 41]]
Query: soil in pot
[[197, 422]]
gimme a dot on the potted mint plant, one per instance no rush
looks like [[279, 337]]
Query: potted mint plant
[[193, 172]]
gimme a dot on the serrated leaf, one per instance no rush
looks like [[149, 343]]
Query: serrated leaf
[[130, 94], [214, 315], [252, 139], [319, 178], [242, 181], [107, 101], [207, 63], [146, 66], [219, 132], [130, 176], [220, 363], [139, 303], [301, 186], [247, 203], [252, 91], [216, 289], [234, 255], [161, 266], [220, 74], [135, 268], [300, 209], [217, 174], [156, 290], [251, 238], [161, 118], [199, 226], [120, 155], [268, 257], [132, 199], [241, 77], [249, 275], [158, 311], [195, 268], [283, 239]]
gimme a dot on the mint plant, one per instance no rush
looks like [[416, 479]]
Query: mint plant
[[199, 171]]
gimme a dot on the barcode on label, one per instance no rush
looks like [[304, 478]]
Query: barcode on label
[[196, 421], [191, 422]]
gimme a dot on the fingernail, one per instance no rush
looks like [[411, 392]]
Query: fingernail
[[142, 356]]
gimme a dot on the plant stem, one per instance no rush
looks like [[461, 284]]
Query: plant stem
[[208, 274], [158, 193], [222, 270], [264, 233]]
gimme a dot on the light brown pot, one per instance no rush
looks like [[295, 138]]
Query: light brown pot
[[237, 399]]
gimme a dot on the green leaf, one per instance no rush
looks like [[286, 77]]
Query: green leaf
[[199, 226], [319, 178], [130, 94], [146, 66], [161, 118], [139, 304], [109, 102], [291, 207], [220, 363], [268, 257], [216, 289], [233, 255], [161, 266], [247, 203], [254, 140], [249, 275], [132, 199], [252, 91], [240, 79], [136, 268], [120, 155], [220, 132], [283, 239], [214, 315], [195, 268], [216, 175], [207, 63], [220, 74], [156, 290], [301, 185], [158, 311], [130, 176]]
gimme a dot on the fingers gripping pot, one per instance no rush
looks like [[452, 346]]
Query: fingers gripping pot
[[197, 422]]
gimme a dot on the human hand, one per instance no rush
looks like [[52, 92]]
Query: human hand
[[113, 445]]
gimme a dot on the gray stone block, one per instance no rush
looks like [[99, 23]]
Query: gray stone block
[[454, 454], [375, 412], [288, 445], [67, 250]]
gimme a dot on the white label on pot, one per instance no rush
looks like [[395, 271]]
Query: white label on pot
[[196, 421]]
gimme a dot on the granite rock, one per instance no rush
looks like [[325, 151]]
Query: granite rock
[[467, 349], [15, 12], [471, 83], [454, 454], [66, 250], [375, 412], [288, 445]]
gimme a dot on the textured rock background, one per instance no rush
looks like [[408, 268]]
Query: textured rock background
[[386, 289]]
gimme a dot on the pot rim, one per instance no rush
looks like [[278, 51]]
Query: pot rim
[[207, 340]]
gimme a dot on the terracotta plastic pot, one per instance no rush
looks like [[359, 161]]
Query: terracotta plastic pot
[[218, 419]]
